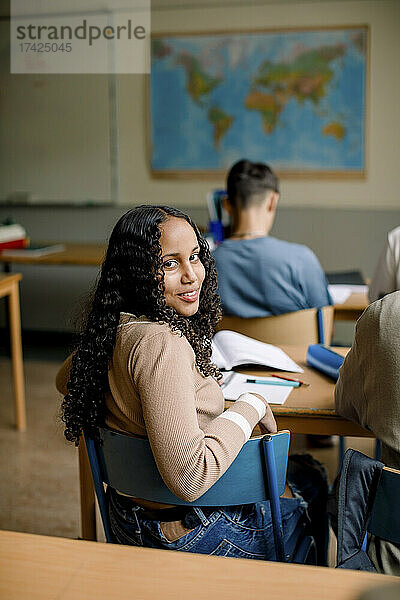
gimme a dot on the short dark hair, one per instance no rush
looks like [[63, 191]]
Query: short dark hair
[[247, 181]]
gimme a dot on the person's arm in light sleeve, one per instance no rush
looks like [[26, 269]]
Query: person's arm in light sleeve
[[189, 459], [368, 389], [384, 278], [349, 389]]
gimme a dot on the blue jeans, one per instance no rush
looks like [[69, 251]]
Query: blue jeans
[[237, 531]]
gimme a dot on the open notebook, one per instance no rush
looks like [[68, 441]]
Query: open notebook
[[231, 349], [340, 292], [235, 384]]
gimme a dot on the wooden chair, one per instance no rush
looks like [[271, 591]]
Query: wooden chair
[[257, 474], [368, 502], [309, 326]]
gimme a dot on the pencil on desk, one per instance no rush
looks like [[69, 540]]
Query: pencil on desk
[[283, 383], [289, 379]]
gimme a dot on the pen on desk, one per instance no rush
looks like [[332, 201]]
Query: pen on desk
[[289, 379], [283, 383]]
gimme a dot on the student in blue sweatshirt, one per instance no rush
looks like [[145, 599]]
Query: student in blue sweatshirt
[[259, 275]]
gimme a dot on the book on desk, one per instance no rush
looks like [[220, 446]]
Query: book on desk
[[231, 349], [34, 250]]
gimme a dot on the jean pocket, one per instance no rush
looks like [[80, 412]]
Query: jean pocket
[[227, 548], [158, 534], [173, 531]]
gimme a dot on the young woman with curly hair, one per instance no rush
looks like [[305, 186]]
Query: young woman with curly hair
[[143, 366]]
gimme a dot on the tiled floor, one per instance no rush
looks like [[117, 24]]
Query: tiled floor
[[39, 470]]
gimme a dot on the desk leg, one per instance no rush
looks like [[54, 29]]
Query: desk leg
[[16, 358], [88, 506]]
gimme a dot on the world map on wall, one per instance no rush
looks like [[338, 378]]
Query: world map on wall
[[294, 99]]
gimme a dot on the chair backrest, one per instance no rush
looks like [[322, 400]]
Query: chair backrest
[[309, 326], [385, 516], [238, 485], [368, 500], [257, 474]]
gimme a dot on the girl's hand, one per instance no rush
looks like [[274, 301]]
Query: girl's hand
[[267, 423]]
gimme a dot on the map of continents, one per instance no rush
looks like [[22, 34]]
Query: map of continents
[[293, 99]]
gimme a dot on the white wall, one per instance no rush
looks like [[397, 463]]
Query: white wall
[[380, 188], [54, 134]]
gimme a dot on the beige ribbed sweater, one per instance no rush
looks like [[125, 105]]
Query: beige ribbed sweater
[[156, 390]]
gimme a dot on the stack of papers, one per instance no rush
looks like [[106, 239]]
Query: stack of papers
[[35, 250], [8, 233], [341, 292], [235, 384]]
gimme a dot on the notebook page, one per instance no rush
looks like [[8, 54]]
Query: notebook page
[[239, 349], [340, 292], [236, 385], [218, 358]]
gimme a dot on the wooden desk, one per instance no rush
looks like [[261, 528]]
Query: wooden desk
[[45, 568], [9, 286], [312, 409], [307, 410], [352, 309], [93, 254], [74, 254]]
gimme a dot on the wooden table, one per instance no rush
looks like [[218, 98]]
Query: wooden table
[[93, 254], [9, 286], [307, 410], [74, 254], [45, 568], [352, 309], [311, 409]]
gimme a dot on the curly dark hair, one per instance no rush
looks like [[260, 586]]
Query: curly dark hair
[[132, 280]]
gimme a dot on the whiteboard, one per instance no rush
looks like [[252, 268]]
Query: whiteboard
[[58, 136]]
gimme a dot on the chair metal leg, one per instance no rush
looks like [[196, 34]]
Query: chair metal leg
[[274, 498], [99, 487], [378, 449], [88, 506], [320, 326], [342, 449]]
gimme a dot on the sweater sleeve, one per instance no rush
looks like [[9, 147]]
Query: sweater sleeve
[[189, 459], [368, 389], [384, 278], [349, 390]]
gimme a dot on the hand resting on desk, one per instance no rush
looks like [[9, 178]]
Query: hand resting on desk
[[267, 423]]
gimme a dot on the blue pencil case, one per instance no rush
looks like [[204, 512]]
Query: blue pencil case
[[325, 360]]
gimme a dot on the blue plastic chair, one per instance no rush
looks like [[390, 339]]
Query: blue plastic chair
[[257, 474]]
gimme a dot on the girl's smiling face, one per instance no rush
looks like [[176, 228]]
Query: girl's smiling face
[[183, 270]]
